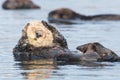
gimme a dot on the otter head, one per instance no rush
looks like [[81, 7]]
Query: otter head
[[41, 34], [61, 15]]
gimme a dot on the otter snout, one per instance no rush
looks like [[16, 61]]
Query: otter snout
[[38, 34]]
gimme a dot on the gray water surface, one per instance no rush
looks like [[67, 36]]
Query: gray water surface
[[107, 33]]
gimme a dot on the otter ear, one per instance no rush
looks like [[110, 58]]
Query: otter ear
[[24, 31]]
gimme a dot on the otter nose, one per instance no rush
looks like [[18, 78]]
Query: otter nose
[[38, 34]]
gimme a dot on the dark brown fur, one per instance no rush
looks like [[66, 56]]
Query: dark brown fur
[[104, 54], [65, 15], [19, 4]]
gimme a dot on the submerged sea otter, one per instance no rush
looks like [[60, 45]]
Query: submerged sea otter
[[42, 41], [19, 4], [97, 52], [65, 15]]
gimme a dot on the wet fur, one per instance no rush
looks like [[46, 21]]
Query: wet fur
[[65, 15], [103, 53], [19, 4], [57, 49]]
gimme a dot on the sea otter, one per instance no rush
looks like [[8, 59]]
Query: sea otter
[[97, 52], [19, 4], [68, 16], [42, 41]]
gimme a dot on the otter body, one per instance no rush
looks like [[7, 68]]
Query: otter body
[[19, 4], [65, 15], [98, 52], [42, 41], [41, 53]]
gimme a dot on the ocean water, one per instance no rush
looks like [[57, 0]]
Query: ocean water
[[107, 33]]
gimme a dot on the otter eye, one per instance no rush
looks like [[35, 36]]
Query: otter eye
[[39, 34]]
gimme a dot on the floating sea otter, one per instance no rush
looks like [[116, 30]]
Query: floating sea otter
[[65, 15], [19, 4], [42, 41], [97, 52]]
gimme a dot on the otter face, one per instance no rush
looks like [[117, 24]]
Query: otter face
[[38, 35]]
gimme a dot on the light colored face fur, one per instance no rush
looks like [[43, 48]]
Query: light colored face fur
[[38, 35]]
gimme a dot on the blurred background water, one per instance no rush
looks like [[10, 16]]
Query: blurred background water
[[107, 33]]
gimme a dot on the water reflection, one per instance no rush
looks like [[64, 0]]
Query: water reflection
[[94, 64], [37, 69], [48, 69]]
